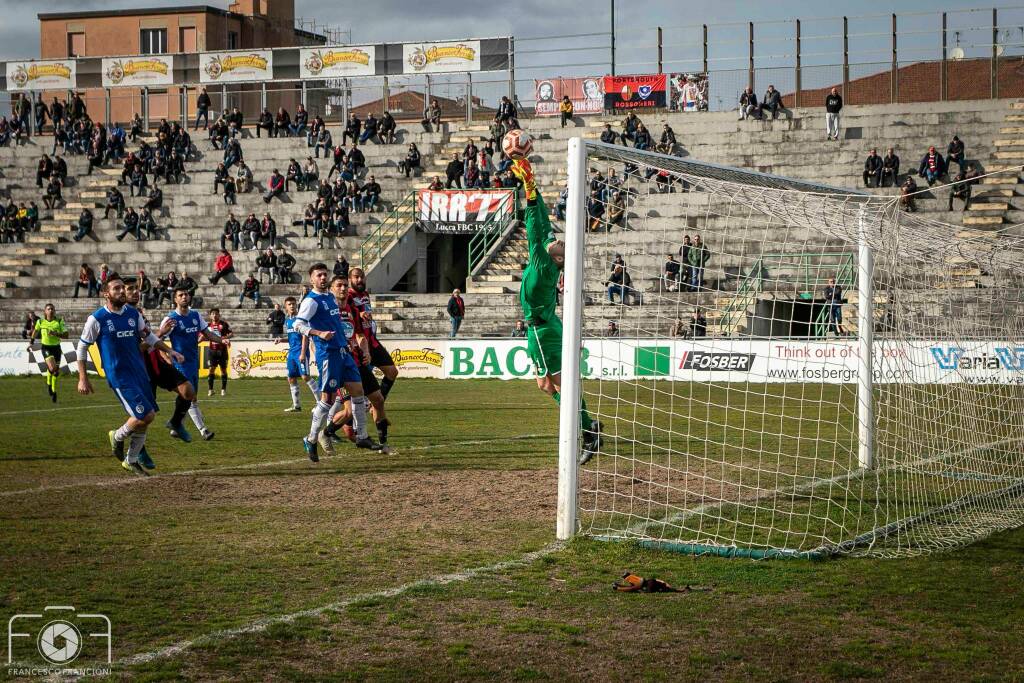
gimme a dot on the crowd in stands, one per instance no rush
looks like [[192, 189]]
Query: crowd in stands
[[933, 168]]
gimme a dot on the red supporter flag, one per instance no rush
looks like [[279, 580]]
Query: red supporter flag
[[635, 92]]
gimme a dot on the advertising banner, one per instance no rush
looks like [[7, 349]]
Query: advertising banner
[[413, 357], [439, 58], [461, 212], [337, 62], [586, 95], [236, 67], [138, 71], [688, 92], [635, 92], [49, 75]]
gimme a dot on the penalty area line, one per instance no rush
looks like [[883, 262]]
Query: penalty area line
[[253, 465]]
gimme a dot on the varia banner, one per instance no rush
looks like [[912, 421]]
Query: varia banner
[[635, 92], [439, 58], [50, 75], [586, 95], [688, 92], [236, 67], [461, 212], [138, 71], [337, 62]]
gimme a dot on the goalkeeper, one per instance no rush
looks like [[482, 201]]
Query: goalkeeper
[[538, 295]]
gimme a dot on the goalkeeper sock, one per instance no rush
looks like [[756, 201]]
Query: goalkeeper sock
[[585, 420], [359, 416], [385, 386], [181, 406], [294, 388]]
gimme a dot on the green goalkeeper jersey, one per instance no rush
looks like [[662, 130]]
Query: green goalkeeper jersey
[[50, 331], [538, 292]]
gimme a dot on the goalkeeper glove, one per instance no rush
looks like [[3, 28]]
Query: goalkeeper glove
[[522, 169]]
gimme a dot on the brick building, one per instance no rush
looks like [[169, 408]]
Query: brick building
[[170, 30]]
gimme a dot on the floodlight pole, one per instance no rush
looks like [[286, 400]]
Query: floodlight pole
[[866, 333], [572, 334]]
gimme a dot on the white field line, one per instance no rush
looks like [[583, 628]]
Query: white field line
[[261, 625], [127, 481]]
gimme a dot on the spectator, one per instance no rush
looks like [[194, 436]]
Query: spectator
[[356, 158], [833, 105], [454, 172], [84, 225], [203, 105], [310, 174], [698, 323], [147, 223], [932, 166], [612, 330], [507, 113], [282, 123], [679, 329], [608, 135], [275, 187], [299, 123], [772, 102], [684, 263], [232, 230], [285, 266], [436, 184], [60, 169], [667, 144], [369, 129], [188, 284], [643, 141], [565, 109], [890, 167], [386, 128], [223, 265], [145, 288], [617, 210], [670, 277], [595, 210], [265, 123], [155, 200], [44, 170], [955, 153], [873, 169], [371, 194], [87, 280], [907, 194], [115, 201], [616, 283], [267, 263], [293, 174], [341, 266], [411, 163], [562, 204], [472, 179], [138, 180], [250, 290], [519, 331], [232, 153], [275, 322], [167, 285], [699, 255], [243, 178], [834, 301], [352, 128], [53, 195], [30, 323], [629, 127], [748, 104], [251, 229], [323, 142], [961, 188], [42, 112], [456, 311], [268, 230], [434, 114], [130, 225], [230, 194]]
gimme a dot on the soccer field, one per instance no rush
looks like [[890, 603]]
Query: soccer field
[[242, 559]]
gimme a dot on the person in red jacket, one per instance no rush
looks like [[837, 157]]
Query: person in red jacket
[[224, 265]]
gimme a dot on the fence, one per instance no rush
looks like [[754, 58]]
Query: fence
[[964, 54]]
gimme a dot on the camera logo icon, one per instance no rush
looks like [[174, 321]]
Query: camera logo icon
[[62, 637]]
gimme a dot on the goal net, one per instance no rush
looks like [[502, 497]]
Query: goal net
[[783, 368]]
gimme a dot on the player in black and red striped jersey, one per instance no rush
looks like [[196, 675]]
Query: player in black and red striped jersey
[[361, 344], [359, 302], [219, 351]]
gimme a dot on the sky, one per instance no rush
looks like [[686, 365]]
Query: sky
[[403, 20]]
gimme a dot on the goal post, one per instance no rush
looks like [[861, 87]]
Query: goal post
[[820, 373]]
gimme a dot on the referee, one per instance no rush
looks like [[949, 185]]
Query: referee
[[51, 330]]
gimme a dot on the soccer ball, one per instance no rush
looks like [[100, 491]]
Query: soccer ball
[[517, 144]]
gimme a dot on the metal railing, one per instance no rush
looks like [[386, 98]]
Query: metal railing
[[493, 229], [401, 219]]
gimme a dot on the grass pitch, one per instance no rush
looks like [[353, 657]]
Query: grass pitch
[[244, 560]]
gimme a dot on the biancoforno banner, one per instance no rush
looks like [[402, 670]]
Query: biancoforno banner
[[48, 75], [138, 71], [236, 67], [461, 212], [439, 58], [586, 95], [338, 62]]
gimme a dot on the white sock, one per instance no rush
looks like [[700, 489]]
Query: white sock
[[122, 433], [197, 417], [359, 416], [335, 408], [319, 416], [294, 388], [135, 445], [314, 385]]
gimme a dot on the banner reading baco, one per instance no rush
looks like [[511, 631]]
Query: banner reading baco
[[49, 75], [138, 71], [586, 95], [337, 62], [438, 58], [236, 67]]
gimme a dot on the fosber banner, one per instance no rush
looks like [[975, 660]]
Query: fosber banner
[[51, 75], [138, 71], [586, 95], [439, 58], [236, 67], [461, 212], [337, 62], [635, 92]]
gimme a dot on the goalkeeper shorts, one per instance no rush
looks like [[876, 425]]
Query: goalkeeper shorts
[[544, 345]]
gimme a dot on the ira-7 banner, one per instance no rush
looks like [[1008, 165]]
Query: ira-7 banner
[[635, 92], [461, 212]]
